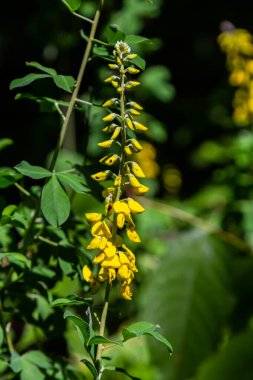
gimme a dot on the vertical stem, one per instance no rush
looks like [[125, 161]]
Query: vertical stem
[[78, 83], [103, 320]]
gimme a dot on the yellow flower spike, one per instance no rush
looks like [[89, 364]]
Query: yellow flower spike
[[133, 181], [133, 235], [116, 133], [111, 262], [132, 70], [131, 56], [136, 144], [134, 112], [102, 275], [134, 206], [99, 258], [137, 170], [123, 272], [101, 176], [139, 126], [121, 220], [110, 159], [140, 190], [126, 292], [105, 144], [109, 117], [93, 217], [117, 181], [88, 275], [129, 123], [120, 206]]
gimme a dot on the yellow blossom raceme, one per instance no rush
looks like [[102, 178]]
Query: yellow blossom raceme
[[112, 257], [238, 47]]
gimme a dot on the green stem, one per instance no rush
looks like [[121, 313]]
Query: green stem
[[22, 189], [77, 85], [103, 321]]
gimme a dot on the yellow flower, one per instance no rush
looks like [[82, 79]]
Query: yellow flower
[[137, 170], [109, 117], [129, 124], [139, 126], [112, 262], [133, 235], [134, 181], [88, 275], [101, 229], [126, 292], [140, 190], [110, 159], [120, 220], [99, 258], [110, 102], [134, 206], [116, 133], [117, 181], [93, 217], [131, 56], [97, 242], [132, 70], [121, 206], [101, 176]]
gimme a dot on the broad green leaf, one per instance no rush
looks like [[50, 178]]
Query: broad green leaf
[[160, 338], [30, 371], [62, 302], [113, 34], [9, 210], [121, 370], [16, 258], [190, 297], [72, 5], [65, 266], [132, 39], [47, 70], [138, 329], [101, 51], [232, 362], [81, 324], [91, 367], [37, 358], [55, 203], [5, 142], [35, 172], [65, 82], [139, 62], [8, 177], [97, 339], [74, 181], [21, 82], [16, 362]]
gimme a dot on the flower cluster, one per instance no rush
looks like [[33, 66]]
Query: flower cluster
[[238, 46], [114, 259]]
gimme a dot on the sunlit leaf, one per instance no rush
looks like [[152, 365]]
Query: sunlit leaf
[[74, 181], [55, 203], [139, 62], [35, 172], [81, 324], [38, 358], [5, 142], [113, 34], [62, 302], [72, 5], [16, 258], [97, 339]]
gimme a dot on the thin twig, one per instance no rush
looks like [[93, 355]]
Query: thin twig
[[22, 189], [59, 111], [103, 320], [83, 17], [202, 224], [84, 102]]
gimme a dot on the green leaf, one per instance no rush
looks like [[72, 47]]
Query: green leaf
[[43, 271], [9, 210], [139, 62], [1, 336], [74, 181], [65, 82], [138, 329], [155, 81], [101, 51], [5, 142], [81, 324], [91, 367], [232, 362], [38, 358], [21, 82], [55, 203], [62, 302], [16, 258], [97, 339], [122, 370], [132, 39], [194, 303], [30, 372], [16, 362], [35, 172], [113, 34], [72, 5], [8, 177], [40, 67], [160, 338]]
